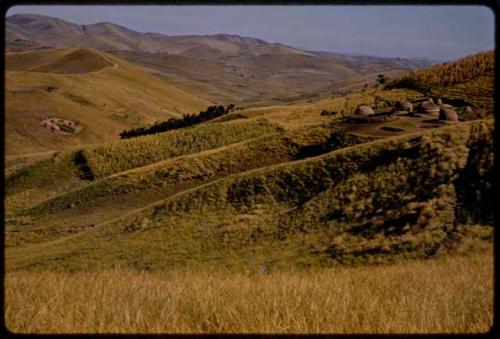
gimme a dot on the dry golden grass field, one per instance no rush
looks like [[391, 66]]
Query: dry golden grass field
[[452, 294]]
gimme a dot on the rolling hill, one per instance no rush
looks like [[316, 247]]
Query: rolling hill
[[223, 68], [469, 80], [210, 209], [100, 92], [280, 201], [294, 184]]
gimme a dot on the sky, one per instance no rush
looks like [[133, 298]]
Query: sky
[[437, 32]]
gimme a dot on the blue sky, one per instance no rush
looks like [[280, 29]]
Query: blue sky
[[437, 32]]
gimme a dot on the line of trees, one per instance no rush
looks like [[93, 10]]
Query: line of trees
[[210, 113]]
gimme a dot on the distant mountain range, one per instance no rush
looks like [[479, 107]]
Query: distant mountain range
[[220, 67]]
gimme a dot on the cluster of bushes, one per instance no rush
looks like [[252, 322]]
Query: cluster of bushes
[[210, 113], [447, 74]]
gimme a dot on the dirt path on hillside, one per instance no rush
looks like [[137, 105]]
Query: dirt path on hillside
[[115, 65]]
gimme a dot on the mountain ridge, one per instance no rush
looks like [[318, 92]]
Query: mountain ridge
[[223, 67], [32, 21]]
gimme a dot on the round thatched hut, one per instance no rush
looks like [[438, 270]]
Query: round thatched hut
[[428, 108], [448, 114], [364, 110], [404, 106]]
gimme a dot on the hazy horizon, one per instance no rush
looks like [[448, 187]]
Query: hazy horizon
[[435, 32]]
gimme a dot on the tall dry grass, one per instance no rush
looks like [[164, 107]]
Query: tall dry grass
[[447, 74], [451, 294]]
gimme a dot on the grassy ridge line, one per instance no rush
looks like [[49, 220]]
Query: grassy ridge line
[[263, 147], [110, 158], [377, 299], [169, 202], [202, 166], [336, 158], [168, 234], [53, 174], [368, 148], [96, 62]]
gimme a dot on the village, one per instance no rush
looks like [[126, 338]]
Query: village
[[404, 116]]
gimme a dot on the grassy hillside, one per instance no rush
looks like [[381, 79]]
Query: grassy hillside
[[303, 114], [354, 205], [77, 61], [116, 195], [69, 169], [56, 188], [99, 91], [468, 81], [449, 74]]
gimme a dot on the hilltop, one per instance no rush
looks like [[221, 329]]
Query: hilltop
[[221, 67], [100, 92]]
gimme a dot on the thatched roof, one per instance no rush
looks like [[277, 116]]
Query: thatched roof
[[404, 106], [428, 108], [364, 110], [448, 114]]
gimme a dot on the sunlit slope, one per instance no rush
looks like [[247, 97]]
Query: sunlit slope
[[467, 81], [299, 115], [126, 192], [99, 91], [61, 61], [62, 171], [375, 202]]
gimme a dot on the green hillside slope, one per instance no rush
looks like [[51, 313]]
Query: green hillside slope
[[374, 202]]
